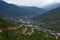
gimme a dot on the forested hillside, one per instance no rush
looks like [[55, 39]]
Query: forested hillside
[[51, 19]]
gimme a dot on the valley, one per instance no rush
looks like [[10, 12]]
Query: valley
[[29, 22]]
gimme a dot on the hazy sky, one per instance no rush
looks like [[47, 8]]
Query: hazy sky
[[37, 3]]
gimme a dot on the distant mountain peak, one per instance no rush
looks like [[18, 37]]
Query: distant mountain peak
[[52, 6]]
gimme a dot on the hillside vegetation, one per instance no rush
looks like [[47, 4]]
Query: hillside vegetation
[[12, 31], [51, 19]]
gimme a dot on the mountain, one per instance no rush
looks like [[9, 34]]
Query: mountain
[[34, 9], [51, 19], [2, 14], [14, 10], [52, 6]]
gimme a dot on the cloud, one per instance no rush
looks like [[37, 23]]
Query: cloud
[[57, 1], [38, 3]]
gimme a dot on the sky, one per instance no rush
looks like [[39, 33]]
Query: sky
[[37, 3]]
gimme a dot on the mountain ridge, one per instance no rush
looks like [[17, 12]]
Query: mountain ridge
[[14, 10]]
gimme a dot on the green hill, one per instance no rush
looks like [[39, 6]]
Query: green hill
[[51, 19], [12, 32], [7, 23]]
